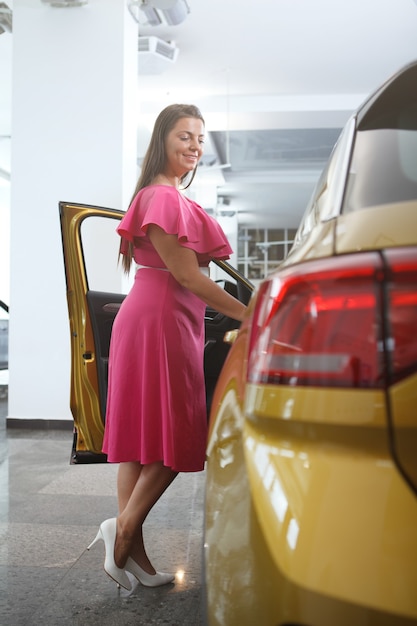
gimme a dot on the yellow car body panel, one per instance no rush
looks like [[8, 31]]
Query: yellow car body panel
[[301, 482], [403, 401], [396, 224], [366, 408], [284, 475], [319, 244], [84, 401], [277, 494], [284, 464]]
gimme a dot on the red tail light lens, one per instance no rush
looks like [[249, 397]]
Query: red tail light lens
[[324, 324], [402, 312]]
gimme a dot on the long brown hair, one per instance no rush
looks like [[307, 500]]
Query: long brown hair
[[155, 158]]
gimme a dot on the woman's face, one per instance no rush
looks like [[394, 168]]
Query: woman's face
[[184, 146]]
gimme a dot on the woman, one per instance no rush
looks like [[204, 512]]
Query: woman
[[156, 421]]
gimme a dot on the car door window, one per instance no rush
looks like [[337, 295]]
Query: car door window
[[102, 269], [384, 163], [325, 202]]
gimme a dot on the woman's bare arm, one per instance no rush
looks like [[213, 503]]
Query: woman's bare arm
[[183, 265]]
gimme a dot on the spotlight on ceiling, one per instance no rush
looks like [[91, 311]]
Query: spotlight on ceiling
[[174, 11], [156, 12], [151, 16]]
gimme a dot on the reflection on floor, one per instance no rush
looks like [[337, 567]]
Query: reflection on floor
[[50, 512]]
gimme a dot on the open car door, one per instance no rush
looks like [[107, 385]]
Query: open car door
[[96, 287]]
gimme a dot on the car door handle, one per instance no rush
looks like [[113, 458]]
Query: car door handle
[[112, 307]]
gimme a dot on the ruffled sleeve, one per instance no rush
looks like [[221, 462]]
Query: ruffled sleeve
[[177, 215]]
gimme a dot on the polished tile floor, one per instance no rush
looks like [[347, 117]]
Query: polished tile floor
[[50, 512]]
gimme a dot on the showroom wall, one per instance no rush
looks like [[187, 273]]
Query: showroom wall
[[74, 139]]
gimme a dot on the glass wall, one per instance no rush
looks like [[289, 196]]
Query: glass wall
[[261, 250]]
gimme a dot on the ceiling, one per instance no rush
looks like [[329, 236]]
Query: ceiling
[[275, 80]]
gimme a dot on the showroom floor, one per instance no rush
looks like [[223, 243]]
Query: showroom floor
[[49, 513]]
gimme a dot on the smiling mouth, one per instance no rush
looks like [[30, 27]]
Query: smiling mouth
[[193, 160]]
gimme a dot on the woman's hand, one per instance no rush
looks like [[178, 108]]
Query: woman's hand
[[183, 265]]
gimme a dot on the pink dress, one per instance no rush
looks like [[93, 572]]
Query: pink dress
[[156, 407]]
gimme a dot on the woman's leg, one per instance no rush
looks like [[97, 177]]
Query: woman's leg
[[146, 484], [127, 477]]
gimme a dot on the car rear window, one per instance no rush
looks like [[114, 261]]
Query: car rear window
[[383, 168]]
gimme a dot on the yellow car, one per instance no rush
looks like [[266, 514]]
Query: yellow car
[[311, 501]]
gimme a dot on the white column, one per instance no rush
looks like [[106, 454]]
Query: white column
[[73, 139]]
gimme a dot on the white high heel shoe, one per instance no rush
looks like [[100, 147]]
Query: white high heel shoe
[[107, 532], [148, 580]]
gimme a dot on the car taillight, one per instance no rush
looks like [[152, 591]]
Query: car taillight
[[402, 312], [336, 323]]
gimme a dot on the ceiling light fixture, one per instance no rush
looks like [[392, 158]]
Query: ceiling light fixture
[[65, 3], [151, 16], [174, 11], [155, 55], [156, 12]]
